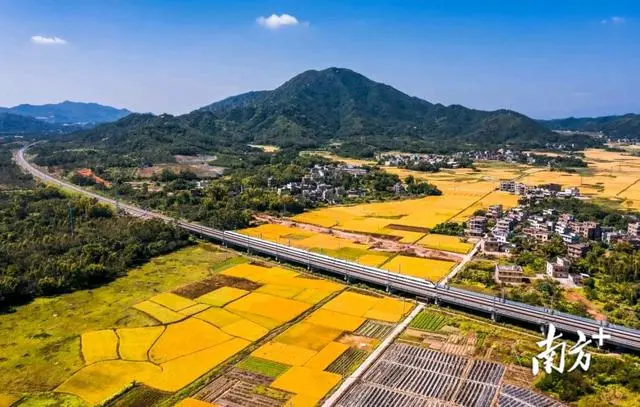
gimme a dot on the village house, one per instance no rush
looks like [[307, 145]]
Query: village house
[[508, 274], [559, 268]]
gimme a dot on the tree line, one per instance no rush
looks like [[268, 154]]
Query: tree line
[[51, 243]]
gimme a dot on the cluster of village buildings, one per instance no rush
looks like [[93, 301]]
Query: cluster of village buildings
[[458, 159], [576, 235], [317, 186]]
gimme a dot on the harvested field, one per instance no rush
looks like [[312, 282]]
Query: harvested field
[[199, 288], [242, 388]]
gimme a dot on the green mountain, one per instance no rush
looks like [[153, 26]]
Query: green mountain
[[69, 112], [341, 105], [316, 109], [16, 124], [618, 127]]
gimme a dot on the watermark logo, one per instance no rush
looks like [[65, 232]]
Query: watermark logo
[[553, 356]]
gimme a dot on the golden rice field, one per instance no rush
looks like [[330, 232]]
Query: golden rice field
[[610, 175], [429, 269], [313, 344], [41, 341], [463, 192], [318, 242], [445, 242], [203, 332]]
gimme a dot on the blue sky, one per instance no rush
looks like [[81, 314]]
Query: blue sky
[[542, 58]]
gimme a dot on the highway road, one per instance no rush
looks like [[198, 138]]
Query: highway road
[[422, 289]]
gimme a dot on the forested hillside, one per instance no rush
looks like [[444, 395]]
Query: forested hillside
[[52, 243], [314, 109], [17, 124], [617, 127]]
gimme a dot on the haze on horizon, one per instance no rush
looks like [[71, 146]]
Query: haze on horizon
[[542, 58]]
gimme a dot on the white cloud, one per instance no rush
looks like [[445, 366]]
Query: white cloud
[[614, 20], [273, 22], [40, 40]]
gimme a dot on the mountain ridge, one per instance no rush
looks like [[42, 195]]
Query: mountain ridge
[[614, 126], [15, 124], [69, 112], [317, 109]]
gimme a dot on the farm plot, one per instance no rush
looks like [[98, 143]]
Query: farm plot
[[428, 321], [318, 242], [303, 363], [196, 334], [413, 375], [464, 191], [430, 269], [445, 242], [348, 361], [374, 329], [41, 341]]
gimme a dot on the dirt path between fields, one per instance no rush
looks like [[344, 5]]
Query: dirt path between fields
[[373, 242]]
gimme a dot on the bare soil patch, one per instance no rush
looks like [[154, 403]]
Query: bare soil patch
[[199, 288]]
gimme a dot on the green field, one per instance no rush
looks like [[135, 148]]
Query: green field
[[263, 366], [40, 341], [428, 321]]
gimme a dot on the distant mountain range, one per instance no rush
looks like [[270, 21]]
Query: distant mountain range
[[617, 127], [315, 109], [54, 118], [17, 124]]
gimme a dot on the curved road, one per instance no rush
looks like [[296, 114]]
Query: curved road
[[422, 289]]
